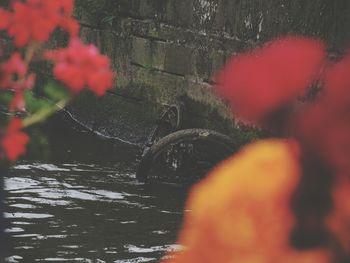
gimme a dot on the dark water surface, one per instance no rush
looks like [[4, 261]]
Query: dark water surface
[[84, 212]]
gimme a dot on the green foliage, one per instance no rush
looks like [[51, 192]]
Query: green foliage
[[42, 107], [52, 94], [55, 93], [35, 104], [5, 97]]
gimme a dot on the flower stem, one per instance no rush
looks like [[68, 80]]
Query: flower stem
[[29, 54], [43, 114]]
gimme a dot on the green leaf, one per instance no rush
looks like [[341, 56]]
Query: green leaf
[[55, 92], [40, 108], [33, 103]]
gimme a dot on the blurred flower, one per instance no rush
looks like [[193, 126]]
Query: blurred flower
[[339, 220], [324, 127], [30, 22], [11, 70], [13, 76], [14, 141], [81, 65], [326, 135], [18, 103], [336, 94], [268, 79], [241, 211], [4, 19], [35, 20]]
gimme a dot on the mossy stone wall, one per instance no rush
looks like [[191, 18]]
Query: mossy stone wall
[[166, 49]]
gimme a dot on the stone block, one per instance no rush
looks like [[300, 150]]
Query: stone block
[[179, 13], [148, 53], [179, 59], [140, 51], [158, 86]]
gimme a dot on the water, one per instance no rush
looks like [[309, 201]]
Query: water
[[84, 212]]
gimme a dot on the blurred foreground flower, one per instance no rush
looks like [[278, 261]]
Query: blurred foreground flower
[[14, 141], [324, 126], [35, 20], [338, 221], [263, 81], [80, 66], [30, 24], [241, 211], [279, 200]]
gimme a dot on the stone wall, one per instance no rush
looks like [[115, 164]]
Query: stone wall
[[166, 49]]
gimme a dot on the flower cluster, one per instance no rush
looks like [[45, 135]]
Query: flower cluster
[[30, 23], [35, 20], [79, 65], [14, 76]]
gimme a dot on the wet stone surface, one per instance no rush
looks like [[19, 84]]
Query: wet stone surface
[[76, 212]]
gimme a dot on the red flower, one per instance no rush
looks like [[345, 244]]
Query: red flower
[[35, 20], [4, 19], [13, 75], [324, 128], [325, 134], [263, 81], [81, 65], [11, 70], [337, 85], [14, 141]]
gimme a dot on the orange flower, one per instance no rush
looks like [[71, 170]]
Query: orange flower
[[241, 211]]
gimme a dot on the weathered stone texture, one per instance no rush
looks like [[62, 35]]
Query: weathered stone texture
[[164, 49]]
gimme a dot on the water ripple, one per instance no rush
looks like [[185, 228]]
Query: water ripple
[[88, 213]]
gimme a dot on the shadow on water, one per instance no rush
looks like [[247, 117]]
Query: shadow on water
[[87, 206], [69, 140]]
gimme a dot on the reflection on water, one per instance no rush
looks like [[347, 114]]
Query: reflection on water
[[89, 213]]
